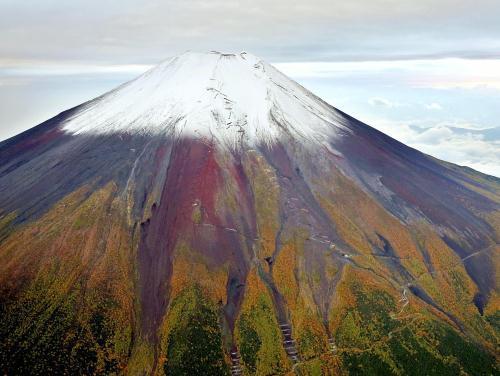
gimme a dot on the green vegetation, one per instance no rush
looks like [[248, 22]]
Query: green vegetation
[[368, 321], [310, 344], [470, 356], [313, 367], [42, 333], [408, 351], [494, 320], [250, 342], [366, 363], [194, 343], [373, 343], [259, 339], [196, 216]]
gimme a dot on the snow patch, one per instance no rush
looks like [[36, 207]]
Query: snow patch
[[229, 99]]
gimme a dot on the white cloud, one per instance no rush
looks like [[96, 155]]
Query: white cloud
[[433, 136], [466, 149], [488, 167], [450, 73], [12, 68], [381, 102]]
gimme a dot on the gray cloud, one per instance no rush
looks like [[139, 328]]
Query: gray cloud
[[130, 31]]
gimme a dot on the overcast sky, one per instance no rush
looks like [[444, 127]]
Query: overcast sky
[[426, 72]]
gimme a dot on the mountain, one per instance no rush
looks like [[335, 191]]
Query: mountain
[[214, 217]]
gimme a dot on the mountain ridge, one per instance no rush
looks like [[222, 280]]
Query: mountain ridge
[[142, 247], [229, 97]]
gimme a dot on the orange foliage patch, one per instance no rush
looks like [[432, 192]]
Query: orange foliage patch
[[187, 272]]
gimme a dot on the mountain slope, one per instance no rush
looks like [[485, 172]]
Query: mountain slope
[[214, 216]]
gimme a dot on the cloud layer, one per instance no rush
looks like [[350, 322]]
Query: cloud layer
[[129, 31], [447, 108]]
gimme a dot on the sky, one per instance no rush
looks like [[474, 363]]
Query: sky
[[425, 72]]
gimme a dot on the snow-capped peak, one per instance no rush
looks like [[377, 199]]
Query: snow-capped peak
[[231, 99]]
